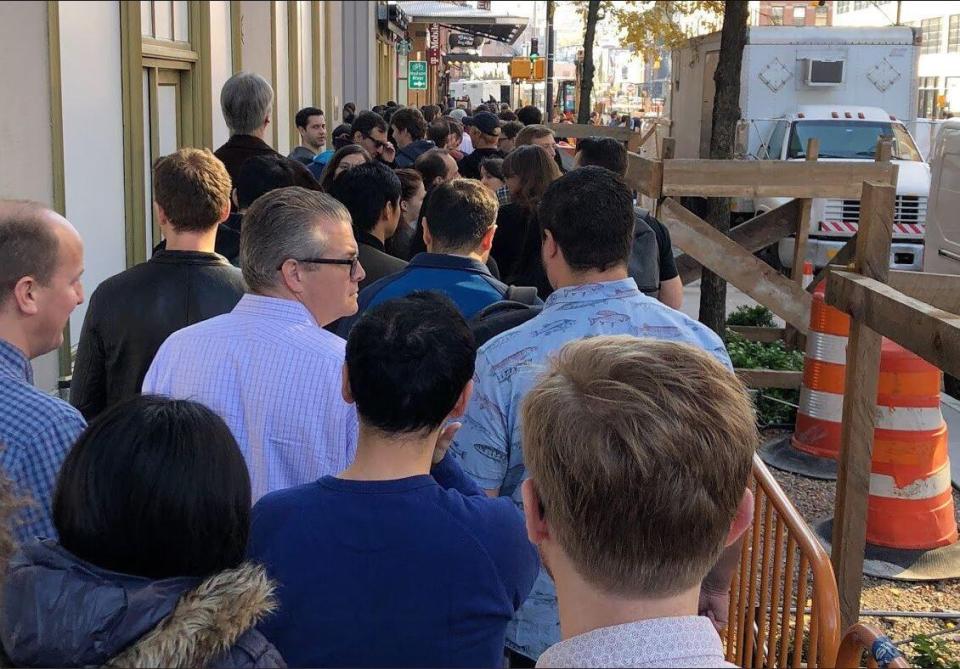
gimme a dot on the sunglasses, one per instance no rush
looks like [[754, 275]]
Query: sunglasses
[[376, 142]]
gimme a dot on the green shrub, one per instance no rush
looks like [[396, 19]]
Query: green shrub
[[746, 354], [931, 653], [757, 316]]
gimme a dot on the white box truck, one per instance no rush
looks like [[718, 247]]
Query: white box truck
[[845, 86], [942, 241]]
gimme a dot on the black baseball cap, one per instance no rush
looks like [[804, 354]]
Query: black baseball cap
[[485, 122]]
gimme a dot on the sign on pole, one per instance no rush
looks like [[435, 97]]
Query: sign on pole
[[417, 75]]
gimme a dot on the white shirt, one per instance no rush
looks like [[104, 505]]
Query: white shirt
[[688, 641]]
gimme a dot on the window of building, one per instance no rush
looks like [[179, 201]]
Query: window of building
[[928, 102], [820, 17], [799, 15], [843, 6], [776, 16], [953, 35], [930, 29]]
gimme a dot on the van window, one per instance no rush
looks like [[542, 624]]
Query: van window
[[775, 143], [851, 140]]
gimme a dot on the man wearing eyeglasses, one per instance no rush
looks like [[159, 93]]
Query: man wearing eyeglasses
[[370, 131], [268, 367]]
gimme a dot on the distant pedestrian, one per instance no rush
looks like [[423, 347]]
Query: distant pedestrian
[[247, 103], [484, 129], [312, 127]]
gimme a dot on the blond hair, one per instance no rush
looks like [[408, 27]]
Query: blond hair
[[640, 451], [193, 189]]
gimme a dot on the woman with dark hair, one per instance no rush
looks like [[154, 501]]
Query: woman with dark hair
[[528, 171], [349, 112], [152, 507], [412, 193], [349, 156]]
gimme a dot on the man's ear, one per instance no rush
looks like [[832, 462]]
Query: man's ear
[[224, 213], [537, 530], [345, 391], [163, 221], [486, 242], [291, 275], [460, 407], [427, 237], [25, 296], [550, 246], [744, 516]]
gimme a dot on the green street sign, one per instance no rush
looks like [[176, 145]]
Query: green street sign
[[417, 75]]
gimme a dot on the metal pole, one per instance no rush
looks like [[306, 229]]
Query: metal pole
[[551, 45]]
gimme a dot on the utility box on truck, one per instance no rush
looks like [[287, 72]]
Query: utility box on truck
[[847, 87]]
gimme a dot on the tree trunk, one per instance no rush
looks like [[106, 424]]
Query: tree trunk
[[586, 77], [726, 113]]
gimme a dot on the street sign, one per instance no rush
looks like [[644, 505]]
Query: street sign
[[417, 75]]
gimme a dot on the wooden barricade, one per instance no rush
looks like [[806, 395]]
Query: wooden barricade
[[784, 610]]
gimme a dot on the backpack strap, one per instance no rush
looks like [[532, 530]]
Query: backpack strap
[[522, 294]]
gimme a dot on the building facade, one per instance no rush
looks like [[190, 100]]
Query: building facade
[[96, 91], [938, 85], [790, 13]]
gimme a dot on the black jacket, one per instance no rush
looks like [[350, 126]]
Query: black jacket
[[131, 314], [376, 262], [238, 148], [470, 166]]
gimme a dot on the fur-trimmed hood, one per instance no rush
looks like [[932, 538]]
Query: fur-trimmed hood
[[61, 611]]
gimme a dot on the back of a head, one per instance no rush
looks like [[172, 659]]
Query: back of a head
[[193, 189], [28, 245], [261, 174], [411, 120], [157, 488], [394, 391], [438, 131], [589, 212], [410, 182], [365, 190], [431, 166], [349, 112], [603, 152], [529, 115], [285, 223], [640, 451], [366, 122], [507, 116], [511, 129], [536, 171], [459, 214], [246, 100], [531, 132], [430, 112], [342, 136]]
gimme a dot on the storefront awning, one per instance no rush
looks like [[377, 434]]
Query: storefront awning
[[491, 25], [472, 58]]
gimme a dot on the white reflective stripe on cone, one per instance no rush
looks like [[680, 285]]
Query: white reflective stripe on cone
[[829, 407], [882, 485], [827, 348]]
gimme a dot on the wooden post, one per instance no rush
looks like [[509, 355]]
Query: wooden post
[[872, 260], [803, 222], [668, 149]]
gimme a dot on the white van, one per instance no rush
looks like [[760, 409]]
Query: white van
[[942, 242]]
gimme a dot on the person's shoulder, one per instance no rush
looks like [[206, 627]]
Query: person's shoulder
[[27, 405], [280, 502], [251, 650]]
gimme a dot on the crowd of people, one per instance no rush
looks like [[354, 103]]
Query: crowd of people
[[417, 394]]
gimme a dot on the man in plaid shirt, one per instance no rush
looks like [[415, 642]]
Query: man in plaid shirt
[[41, 260]]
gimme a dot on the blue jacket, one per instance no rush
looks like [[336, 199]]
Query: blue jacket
[[465, 281], [408, 155], [59, 611]]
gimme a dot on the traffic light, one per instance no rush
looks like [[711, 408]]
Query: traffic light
[[539, 69], [521, 68], [534, 48]]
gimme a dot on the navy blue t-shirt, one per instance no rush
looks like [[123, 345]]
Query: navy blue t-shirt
[[420, 571]]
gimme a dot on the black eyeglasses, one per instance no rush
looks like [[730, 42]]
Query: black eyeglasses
[[376, 142], [354, 263]]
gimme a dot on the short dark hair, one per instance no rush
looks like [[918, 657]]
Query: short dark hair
[[507, 115], [459, 213], [411, 120], [455, 127], [430, 112], [482, 107], [366, 121], [28, 245], [410, 179], [329, 173], [394, 391], [493, 167], [430, 165], [438, 131], [603, 152], [365, 190], [303, 116], [511, 129], [342, 136], [157, 488], [349, 112], [530, 115], [192, 187], [589, 212], [261, 174]]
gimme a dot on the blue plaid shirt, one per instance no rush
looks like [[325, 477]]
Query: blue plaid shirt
[[36, 431]]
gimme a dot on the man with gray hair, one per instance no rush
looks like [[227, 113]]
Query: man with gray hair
[[41, 260], [247, 102], [268, 367]]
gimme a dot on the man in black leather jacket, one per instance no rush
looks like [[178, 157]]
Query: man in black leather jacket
[[131, 314]]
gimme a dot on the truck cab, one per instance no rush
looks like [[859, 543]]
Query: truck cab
[[849, 133]]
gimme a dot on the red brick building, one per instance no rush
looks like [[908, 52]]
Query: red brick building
[[791, 13]]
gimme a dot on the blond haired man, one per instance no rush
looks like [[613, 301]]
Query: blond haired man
[[639, 453], [132, 313]]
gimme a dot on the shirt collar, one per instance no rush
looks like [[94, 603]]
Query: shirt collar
[[247, 142], [274, 308], [593, 291], [370, 240], [446, 261], [14, 363]]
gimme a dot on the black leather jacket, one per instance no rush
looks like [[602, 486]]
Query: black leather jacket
[[131, 314]]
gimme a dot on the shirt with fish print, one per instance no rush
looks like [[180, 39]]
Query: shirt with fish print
[[488, 443]]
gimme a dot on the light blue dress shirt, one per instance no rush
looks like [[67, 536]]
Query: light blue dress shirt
[[489, 446], [273, 375]]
